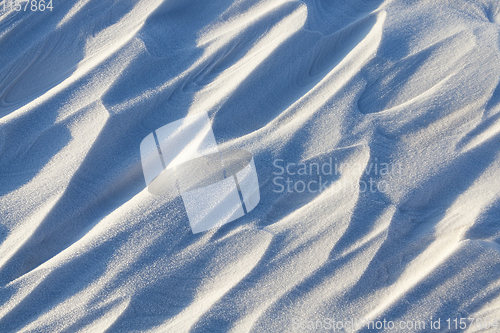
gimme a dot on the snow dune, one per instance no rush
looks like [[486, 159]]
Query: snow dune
[[374, 127]]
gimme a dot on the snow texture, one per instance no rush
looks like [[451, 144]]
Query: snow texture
[[375, 132]]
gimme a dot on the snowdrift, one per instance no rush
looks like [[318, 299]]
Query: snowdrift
[[375, 131]]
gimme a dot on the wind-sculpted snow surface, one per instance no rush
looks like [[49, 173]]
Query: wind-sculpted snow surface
[[374, 128]]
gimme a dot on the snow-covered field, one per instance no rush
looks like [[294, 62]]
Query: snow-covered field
[[375, 131]]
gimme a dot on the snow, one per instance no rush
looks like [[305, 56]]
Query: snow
[[400, 98]]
